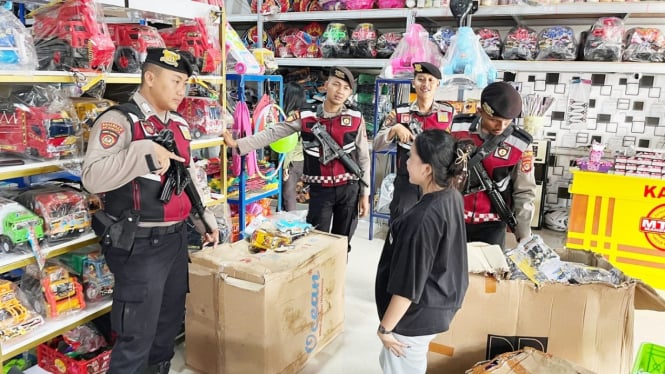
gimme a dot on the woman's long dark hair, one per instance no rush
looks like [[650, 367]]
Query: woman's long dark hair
[[294, 97], [446, 155]]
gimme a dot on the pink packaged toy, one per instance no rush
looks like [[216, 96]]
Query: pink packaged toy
[[386, 4], [415, 46], [359, 4]]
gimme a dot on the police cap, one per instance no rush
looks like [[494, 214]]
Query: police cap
[[501, 99], [169, 59], [343, 74], [426, 68]]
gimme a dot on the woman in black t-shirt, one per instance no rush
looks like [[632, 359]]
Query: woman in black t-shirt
[[422, 274]]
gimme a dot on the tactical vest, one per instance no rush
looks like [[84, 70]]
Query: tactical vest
[[499, 165], [344, 130], [434, 120], [142, 194]]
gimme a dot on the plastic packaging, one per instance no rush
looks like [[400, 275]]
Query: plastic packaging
[[387, 4], [238, 58], [20, 228], [60, 292], [466, 64], [442, 37], [72, 35], [557, 43], [84, 339], [415, 46], [17, 49], [132, 42], [386, 194], [363, 41], [577, 273], [335, 41], [251, 39], [644, 44], [17, 317], [490, 40], [193, 37], [386, 44], [604, 41], [203, 114], [537, 260], [332, 5], [521, 43], [359, 4]]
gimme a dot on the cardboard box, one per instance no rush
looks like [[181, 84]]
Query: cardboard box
[[590, 325], [267, 312], [527, 361]]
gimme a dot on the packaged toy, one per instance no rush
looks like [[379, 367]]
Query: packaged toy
[[19, 227], [386, 44], [466, 63], [72, 35], [332, 5], [335, 41], [98, 281], [442, 38], [132, 42], [193, 37], [521, 43], [204, 115], [604, 41], [359, 4], [306, 5], [415, 46], [265, 58], [16, 316], [490, 40], [644, 44], [270, 6], [61, 292], [363, 41], [387, 4], [238, 58], [17, 49], [557, 43], [251, 39]]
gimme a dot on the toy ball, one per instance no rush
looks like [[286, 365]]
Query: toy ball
[[286, 144]]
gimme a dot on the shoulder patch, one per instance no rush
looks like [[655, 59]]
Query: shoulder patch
[[527, 162], [185, 132], [109, 134]]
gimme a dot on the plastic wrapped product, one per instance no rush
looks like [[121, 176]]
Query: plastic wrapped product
[[251, 40], [521, 43], [335, 41], [490, 40], [557, 43], [644, 44], [386, 44], [359, 4], [363, 41], [16, 315], [442, 38], [193, 37], [466, 63], [414, 46], [604, 41], [17, 49]]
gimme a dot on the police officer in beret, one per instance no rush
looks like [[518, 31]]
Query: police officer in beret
[[124, 163], [509, 164], [402, 125], [336, 197]]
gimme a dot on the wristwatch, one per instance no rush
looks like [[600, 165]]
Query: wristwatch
[[382, 330]]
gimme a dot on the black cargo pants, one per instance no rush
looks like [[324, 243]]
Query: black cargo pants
[[334, 205], [151, 282]]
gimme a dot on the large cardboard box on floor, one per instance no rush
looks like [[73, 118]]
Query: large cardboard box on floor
[[267, 312], [590, 325]]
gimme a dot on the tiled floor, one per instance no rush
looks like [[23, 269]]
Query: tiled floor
[[355, 351]]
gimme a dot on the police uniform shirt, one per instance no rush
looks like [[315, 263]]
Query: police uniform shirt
[[424, 260], [113, 159], [381, 141], [291, 125]]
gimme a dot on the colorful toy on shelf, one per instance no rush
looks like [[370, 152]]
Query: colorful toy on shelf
[[193, 37], [37, 132], [388, 4], [132, 42], [239, 59], [335, 41], [332, 5], [644, 44], [18, 225], [415, 46], [359, 4], [293, 228], [87, 110], [297, 43], [490, 40], [363, 41], [594, 162], [386, 44], [266, 58], [97, 279], [204, 115], [62, 292], [251, 39], [521, 43], [306, 6], [466, 63], [17, 49], [15, 318], [72, 35], [270, 6], [442, 38], [604, 42], [557, 43]]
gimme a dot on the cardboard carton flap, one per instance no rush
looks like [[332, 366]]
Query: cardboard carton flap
[[646, 298], [486, 259], [237, 261]]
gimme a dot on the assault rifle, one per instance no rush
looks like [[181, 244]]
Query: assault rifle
[[178, 178], [330, 150], [496, 199]]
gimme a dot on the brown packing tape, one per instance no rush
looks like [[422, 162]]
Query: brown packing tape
[[490, 284], [441, 349]]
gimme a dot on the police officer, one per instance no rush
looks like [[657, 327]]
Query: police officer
[[123, 161], [508, 163], [402, 125], [335, 194]]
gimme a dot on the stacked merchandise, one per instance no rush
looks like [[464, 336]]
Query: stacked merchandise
[[365, 100], [648, 164]]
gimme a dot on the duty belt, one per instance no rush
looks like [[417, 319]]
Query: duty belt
[[150, 232]]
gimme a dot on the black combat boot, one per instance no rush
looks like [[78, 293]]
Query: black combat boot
[[160, 368]]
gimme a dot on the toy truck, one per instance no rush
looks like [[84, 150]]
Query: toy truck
[[268, 240], [15, 318], [64, 211], [70, 35], [98, 280], [132, 42], [36, 132], [293, 228], [87, 110], [61, 291], [18, 225], [193, 37], [204, 115]]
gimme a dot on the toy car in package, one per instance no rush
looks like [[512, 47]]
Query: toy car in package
[[203, 113], [521, 43], [442, 38], [19, 227], [490, 40], [193, 37], [53, 289], [38, 122], [64, 210], [17, 317], [334, 42], [363, 41], [644, 44], [466, 63], [415, 46], [17, 49], [604, 41], [557, 43], [72, 35], [132, 42], [98, 281]]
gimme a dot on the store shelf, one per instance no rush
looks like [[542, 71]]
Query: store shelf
[[216, 199], [176, 9], [11, 261], [205, 143], [36, 167], [328, 62], [255, 196], [52, 328], [38, 76], [581, 66]]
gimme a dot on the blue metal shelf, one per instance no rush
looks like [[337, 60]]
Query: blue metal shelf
[[391, 152], [243, 200]]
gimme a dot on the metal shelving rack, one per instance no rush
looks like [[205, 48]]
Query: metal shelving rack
[[243, 198], [391, 152]]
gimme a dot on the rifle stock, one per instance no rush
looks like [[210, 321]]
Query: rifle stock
[[496, 199]]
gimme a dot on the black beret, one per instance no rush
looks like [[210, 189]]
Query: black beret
[[343, 74], [169, 59], [426, 68], [501, 99]]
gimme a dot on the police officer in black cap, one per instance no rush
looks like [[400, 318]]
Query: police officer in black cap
[[509, 164], [336, 197], [402, 125], [124, 163]]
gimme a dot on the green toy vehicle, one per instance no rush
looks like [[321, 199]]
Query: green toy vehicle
[[18, 225]]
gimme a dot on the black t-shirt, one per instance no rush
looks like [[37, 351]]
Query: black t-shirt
[[424, 259]]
